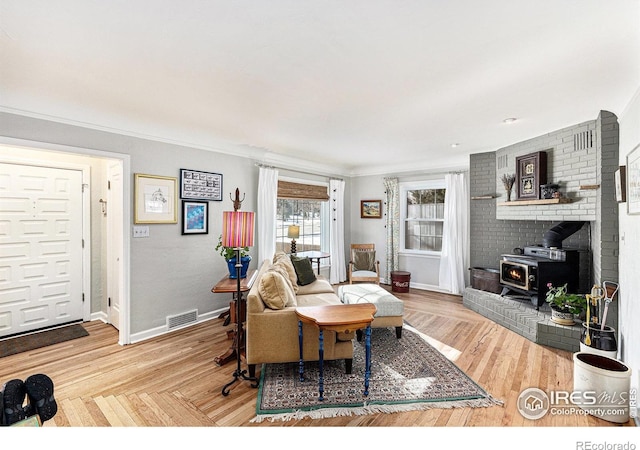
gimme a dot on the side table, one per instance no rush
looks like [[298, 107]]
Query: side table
[[230, 285], [338, 318], [314, 255]]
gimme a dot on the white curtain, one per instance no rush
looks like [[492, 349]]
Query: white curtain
[[266, 216], [454, 260], [338, 272], [392, 223]]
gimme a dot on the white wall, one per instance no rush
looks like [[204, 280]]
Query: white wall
[[424, 269], [365, 231], [629, 262], [170, 273]]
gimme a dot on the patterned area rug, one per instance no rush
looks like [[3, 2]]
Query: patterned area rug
[[41, 339], [407, 374]]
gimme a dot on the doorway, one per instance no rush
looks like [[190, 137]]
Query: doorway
[[42, 247], [106, 255]]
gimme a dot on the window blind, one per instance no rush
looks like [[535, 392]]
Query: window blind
[[288, 189]]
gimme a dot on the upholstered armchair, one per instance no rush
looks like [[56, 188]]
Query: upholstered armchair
[[363, 266]]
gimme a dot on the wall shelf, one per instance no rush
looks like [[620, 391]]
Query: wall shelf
[[549, 201], [483, 197]]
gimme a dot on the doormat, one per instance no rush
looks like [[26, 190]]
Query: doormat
[[41, 339], [407, 374]]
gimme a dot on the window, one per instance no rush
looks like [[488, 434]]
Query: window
[[307, 206], [307, 214], [422, 211]]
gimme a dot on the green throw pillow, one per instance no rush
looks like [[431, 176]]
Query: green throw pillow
[[304, 270]]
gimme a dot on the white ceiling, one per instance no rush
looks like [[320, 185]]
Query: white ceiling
[[350, 87]]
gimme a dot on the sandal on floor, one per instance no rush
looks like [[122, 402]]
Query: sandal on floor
[[2, 423], [14, 393], [39, 388]]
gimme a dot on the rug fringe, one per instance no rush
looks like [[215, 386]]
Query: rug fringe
[[325, 413]]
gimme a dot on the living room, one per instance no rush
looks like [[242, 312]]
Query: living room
[[152, 291]]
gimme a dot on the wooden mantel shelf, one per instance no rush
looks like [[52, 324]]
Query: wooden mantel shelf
[[550, 201]]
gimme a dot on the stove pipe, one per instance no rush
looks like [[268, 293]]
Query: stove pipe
[[557, 234]]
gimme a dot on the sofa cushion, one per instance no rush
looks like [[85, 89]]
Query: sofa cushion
[[281, 259], [304, 270], [275, 290], [291, 300], [320, 286], [323, 299]]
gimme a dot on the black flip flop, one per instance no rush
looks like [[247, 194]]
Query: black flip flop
[[2, 408], [39, 388], [14, 393]]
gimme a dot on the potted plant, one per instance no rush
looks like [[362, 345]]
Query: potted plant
[[229, 254], [564, 306]]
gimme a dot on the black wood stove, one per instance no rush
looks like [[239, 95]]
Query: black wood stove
[[529, 273]]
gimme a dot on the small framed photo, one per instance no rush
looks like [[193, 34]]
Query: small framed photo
[[633, 181], [197, 185], [195, 217], [621, 186], [155, 199], [370, 209]]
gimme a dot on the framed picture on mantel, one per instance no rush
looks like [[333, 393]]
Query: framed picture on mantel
[[531, 172]]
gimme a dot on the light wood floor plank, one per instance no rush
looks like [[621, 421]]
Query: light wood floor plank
[[172, 380]]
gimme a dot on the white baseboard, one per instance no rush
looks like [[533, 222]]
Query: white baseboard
[[159, 331]]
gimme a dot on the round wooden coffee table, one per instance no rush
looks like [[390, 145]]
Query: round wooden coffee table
[[338, 318]]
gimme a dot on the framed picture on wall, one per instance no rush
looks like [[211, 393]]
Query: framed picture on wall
[[621, 187], [370, 209], [633, 181], [197, 185], [155, 199], [531, 172], [195, 217]]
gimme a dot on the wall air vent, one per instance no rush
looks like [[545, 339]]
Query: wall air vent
[[583, 140], [183, 319]]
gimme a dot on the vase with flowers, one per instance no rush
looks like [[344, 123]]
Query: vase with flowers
[[229, 254], [564, 306], [507, 182]]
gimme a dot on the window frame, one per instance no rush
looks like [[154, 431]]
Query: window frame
[[439, 183], [325, 229]]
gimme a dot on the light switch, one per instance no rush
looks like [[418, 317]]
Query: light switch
[[140, 231]]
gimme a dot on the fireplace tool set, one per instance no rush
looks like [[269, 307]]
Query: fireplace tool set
[[596, 334]]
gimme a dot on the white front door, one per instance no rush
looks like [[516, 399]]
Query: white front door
[[40, 247], [114, 242]]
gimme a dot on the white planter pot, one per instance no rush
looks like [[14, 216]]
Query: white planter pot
[[609, 354], [604, 385], [562, 318]]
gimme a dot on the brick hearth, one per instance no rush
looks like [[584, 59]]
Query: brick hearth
[[521, 317]]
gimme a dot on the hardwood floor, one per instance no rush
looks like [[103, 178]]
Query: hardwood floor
[[172, 380]]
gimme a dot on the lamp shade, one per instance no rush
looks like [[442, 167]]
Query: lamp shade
[[237, 229], [293, 231]]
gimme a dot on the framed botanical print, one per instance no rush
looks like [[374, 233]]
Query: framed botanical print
[[633, 181], [155, 198], [621, 186], [531, 172]]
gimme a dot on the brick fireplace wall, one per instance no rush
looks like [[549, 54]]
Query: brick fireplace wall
[[582, 159]]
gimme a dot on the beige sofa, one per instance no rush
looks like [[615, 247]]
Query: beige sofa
[[272, 324]]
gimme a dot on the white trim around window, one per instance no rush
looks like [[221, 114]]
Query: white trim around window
[[410, 186]]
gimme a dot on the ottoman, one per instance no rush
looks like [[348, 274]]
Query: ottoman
[[389, 308]]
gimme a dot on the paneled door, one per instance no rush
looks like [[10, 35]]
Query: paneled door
[[114, 242], [40, 247]]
